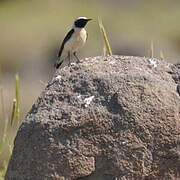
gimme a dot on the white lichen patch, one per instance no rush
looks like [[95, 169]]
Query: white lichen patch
[[124, 142], [79, 96], [153, 62], [88, 100], [112, 62], [58, 77]]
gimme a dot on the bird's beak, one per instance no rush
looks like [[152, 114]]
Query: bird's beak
[[89, 19]]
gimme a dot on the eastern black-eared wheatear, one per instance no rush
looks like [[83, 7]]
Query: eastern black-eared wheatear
[[74, 40]]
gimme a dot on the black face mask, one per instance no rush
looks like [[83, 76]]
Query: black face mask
[[80, 23]]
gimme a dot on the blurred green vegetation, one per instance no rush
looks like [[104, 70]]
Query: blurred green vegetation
[[31, 33], [9, 128], [34, 29]]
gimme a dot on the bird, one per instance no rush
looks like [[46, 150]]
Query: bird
[[73, 41]]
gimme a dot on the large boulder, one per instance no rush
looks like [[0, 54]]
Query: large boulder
[[106, 118]]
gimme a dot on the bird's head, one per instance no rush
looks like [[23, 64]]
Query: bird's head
[[81, 22]]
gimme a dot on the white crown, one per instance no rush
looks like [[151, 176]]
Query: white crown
[[81, 18]]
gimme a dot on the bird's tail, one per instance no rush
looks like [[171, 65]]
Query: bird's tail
[[58, 64], [61, 61]]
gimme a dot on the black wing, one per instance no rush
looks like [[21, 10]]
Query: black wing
[[68, 36], [86, 36]]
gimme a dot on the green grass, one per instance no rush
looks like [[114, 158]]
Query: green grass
[[6, 140], [4, 129], [17, 101], [3, 137], [3, 170], [13, 112]]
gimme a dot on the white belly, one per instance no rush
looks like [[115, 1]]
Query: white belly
[[77, 41]]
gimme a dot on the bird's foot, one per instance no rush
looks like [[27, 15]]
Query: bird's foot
[[78, 61]]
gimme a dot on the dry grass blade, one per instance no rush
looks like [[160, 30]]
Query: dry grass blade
[[2, 104], [161, 56], [17, 100], [104, 51], [13, 112], [152, 50], [3, 135], [0, 73], [105, 37], [4, 131]]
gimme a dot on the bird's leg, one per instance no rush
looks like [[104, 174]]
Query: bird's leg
[[69, 58], [78, 61]]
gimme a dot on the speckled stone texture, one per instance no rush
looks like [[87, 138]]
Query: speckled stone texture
[[107, 118]]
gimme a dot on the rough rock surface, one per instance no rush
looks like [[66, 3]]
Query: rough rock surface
[[106, 118]]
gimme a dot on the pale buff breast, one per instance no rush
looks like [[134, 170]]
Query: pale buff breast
[[77, 41]]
